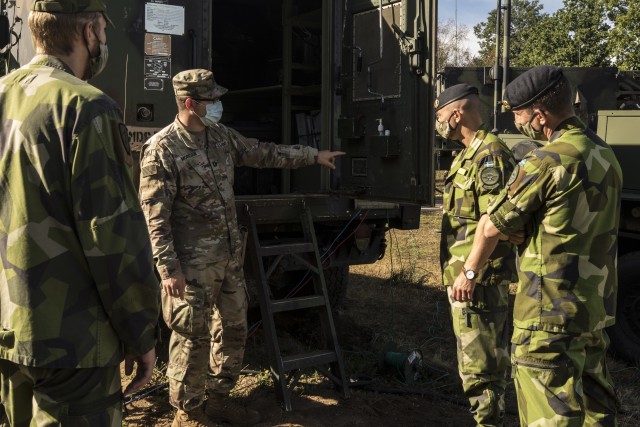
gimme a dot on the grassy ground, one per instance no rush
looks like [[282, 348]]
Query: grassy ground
[[415, 313], [393, 306]]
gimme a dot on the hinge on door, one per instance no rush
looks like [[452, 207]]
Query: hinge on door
[[417, 54], [413, 47]]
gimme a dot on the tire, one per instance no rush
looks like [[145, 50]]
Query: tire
[[625, 334], [337, 280]]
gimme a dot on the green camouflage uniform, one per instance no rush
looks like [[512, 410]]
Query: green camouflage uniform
[[566, 195], [77, 287], [186, 189], [477, 176]]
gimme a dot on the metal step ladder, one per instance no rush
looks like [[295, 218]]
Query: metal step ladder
[[265, 257]]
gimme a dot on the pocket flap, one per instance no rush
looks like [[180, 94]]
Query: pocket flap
[[463, 182]]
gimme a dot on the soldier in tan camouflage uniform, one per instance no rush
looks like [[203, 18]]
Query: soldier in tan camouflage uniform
[[77, 286], [477, 176], [186, 190], [566, 195]]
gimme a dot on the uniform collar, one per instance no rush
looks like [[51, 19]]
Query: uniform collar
[[569, 124], [480, 135], [187, 138], [51, 61]]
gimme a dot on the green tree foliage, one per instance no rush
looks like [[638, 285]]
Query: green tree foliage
[[526, 17], [581, 28], [624, 38], [575, 35]]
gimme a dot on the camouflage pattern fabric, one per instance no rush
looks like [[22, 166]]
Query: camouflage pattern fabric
[[61, 397], [68, 6], [562, 379], [567, 195], [198, 84], [477, 175], [76, 274], [186, 190], [209, 332], [482, 337]]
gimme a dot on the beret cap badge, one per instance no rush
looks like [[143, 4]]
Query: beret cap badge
[[529, 86], [454, 93]]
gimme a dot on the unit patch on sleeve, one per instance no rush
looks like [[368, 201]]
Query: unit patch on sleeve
[[490, 177], [514, 175]]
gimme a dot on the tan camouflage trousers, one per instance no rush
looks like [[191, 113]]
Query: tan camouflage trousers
[[563, 380], [483, 356], [89, 397], [209, 333]]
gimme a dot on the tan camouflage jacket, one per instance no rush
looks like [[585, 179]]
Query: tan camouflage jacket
[[186, 190], [76, 275], [476, 177], [567, 194]]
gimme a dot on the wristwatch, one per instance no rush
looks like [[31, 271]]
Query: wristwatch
[[469, 274]]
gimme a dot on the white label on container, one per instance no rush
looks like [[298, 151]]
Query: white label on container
[[164, 19]]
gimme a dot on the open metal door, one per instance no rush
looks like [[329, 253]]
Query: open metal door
[[150, 42], [386, 81]]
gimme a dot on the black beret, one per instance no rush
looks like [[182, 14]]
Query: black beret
[[531, 85], [454, 93]]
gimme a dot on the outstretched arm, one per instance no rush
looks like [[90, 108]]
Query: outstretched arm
[[327, 159]]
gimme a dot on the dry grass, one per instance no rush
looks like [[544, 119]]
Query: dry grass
[[397, 304], [415, 312]]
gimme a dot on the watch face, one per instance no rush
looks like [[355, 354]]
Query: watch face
[[470, 274]]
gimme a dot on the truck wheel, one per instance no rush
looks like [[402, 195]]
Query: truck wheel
[[625, 334], [336, 279]]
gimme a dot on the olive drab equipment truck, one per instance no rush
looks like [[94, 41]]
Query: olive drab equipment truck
[[608, 102], [349, 75]]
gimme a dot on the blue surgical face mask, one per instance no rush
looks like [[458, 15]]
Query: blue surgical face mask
[[213, 114]]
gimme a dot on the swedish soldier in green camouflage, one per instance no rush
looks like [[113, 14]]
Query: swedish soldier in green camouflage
[[566, 195], [186, 190], [476, 177], [77, 287]]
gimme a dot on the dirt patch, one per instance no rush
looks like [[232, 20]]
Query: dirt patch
[[394, 306]]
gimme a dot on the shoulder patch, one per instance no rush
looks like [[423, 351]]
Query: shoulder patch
[[120, 136], [514, 175], [490, 177], [515, 179], [124, 137]]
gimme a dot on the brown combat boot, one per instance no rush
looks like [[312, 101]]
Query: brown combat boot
[[194, 418], [222, 408]]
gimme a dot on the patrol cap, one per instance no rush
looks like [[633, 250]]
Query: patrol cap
[[70, 6], [197, 84], [454, 93], [531, 85]]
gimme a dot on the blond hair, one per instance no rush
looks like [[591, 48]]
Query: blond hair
[[55, 33]]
